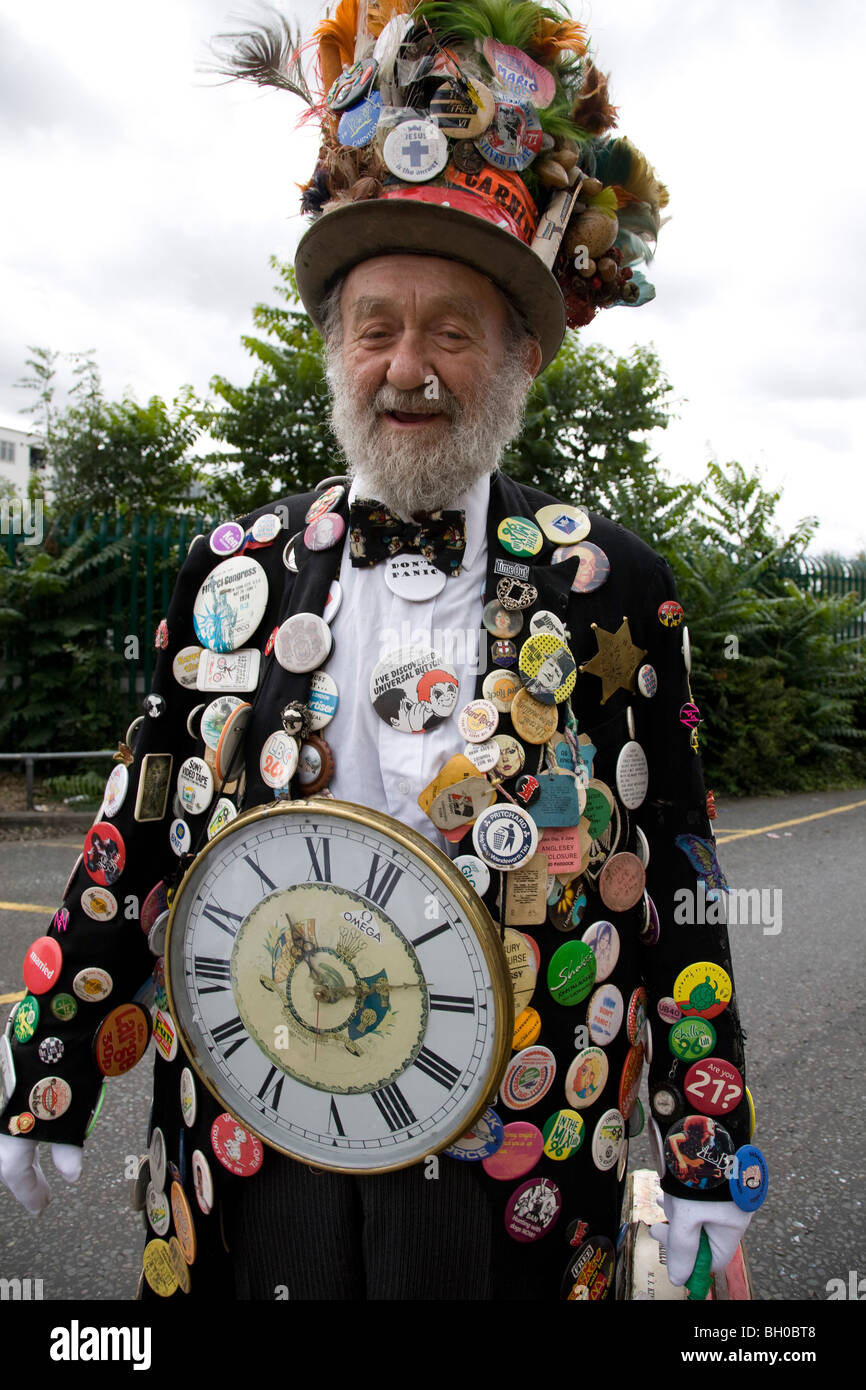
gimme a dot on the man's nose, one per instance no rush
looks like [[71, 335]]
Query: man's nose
[[408, 367]]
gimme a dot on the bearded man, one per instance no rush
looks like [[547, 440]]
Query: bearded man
[[437, 313]]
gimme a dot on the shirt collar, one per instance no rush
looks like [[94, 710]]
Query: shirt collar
[[474, 503]]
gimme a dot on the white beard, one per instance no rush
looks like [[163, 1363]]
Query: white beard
[[429, 470]]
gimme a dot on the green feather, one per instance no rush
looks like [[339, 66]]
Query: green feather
[[613, 162], [510, 21]]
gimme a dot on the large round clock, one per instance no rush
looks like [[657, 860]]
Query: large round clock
[[338, 985]]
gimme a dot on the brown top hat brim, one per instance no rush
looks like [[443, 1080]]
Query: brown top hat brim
[[356, 232]]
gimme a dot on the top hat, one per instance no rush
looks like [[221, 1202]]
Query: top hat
[[476, 130]]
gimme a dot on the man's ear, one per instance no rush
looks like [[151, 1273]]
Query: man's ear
[[531, 355]]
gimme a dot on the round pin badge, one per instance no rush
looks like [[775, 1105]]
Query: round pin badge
[[698, 1152], [303, 643], [713, 1086], [60, 920], [563, 1135], [519, 536], [25, 1019], [603, 940], [413, 689], [604, 1014], [158, 1268], [202, 1180], [527, 790], [104, 853], [670, 613], [563, 524], [533, 721], [195, 786], [115, 790], [651, 929], [666, 1101], [641, 848], [548, 668], [121, 1039], [183, 1222], [478, 721], [325, 532], [566, 910], [636, 1120], [326, 502], [157, 1209], [188, 1097], [571, 973], [647, 681], [500, 688], [691, 1038], [179, 1265], [481, 1141], [323, 700], [586, 1077], [51, 1050], [42, 965], [513, 138], [607, 1140], [230, 604], [290, 558], [632, 776], [528, 1077], [545, 622], [185, 666], [99, 904], [630, 1079], [703, 988], [237, 1150], [462, 110], [636, 1016], [227, 538], [64, 1007], [589, 1276], [228, 762], [474, 871], [527, 1029], [415, 151], [533, 1209], [592, 570], [315, 765], [484, 756], [669, 1010], [414, 578], [165, 1035], [750, 1179], [180, 836], [214, 717], [50, 1098], [279, 760], [511, 756], [621, 882], [519, 1151], [505, 837], [21, 1124], [500, 622], [266, 528]]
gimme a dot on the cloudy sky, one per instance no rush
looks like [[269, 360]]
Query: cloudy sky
[[141, 201]]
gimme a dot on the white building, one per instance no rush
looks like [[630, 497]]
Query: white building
[[21, 454]]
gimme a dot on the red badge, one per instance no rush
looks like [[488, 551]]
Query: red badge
[[42, 965], [104, 853], [121, 1039], [160, 641], [269, 645], [234, 1146], [713, 1086], [671, 613]]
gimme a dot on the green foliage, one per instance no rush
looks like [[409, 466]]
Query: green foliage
[[276, 428], [85, 788], [780, 694]]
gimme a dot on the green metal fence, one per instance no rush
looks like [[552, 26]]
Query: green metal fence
[[832, 579]]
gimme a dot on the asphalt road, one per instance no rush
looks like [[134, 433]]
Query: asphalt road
[[800, 980]]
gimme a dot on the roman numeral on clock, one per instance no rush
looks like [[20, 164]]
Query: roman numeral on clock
[[266, 882], [452, 1003], [213, 969], [334, 1119], [228, 1030], [429, 935], [229, 922], [380, 890], [276, 1091], [437, 1068], [394, 1107], [320, 867]]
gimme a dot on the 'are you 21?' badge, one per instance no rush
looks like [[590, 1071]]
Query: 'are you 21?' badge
[[413, 689]]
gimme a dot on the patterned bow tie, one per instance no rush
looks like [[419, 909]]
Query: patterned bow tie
[[375, 534]]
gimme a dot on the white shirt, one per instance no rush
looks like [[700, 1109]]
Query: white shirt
[[376, 765]]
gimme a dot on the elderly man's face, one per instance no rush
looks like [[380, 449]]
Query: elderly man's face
[[428, 387]]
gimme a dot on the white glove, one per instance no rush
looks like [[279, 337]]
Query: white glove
[[724, 1223], [21, 1172]]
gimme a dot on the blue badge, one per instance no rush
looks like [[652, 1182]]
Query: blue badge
[[358, 124], [483, 1139], [749, 1181], [558, 804]]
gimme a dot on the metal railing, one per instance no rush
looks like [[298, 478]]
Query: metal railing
[[28, 759]]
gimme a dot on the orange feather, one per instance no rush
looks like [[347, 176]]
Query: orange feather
[[553, 37], [336, 39]]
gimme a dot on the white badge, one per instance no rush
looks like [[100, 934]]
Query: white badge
[[185, 666], [230, 604], [416, 151], [562, 524], [195, 786], [266, 528], [414, 578], [115, 790], [412, 689], [333, 601], [632, 775], [214, 718], [279, 760], [230, 671], [303, 642], [323, 700]]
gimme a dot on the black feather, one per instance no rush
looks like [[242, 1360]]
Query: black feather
[[267, 55]]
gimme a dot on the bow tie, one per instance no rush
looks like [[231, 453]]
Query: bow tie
[[375, 534]]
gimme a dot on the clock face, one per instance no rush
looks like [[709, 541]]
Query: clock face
[[338, 985]]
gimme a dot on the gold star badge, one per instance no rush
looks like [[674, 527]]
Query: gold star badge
[[616, 660]]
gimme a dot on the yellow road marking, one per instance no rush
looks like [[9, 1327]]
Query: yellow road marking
[[26, 907], [12, 998], [726, 837]]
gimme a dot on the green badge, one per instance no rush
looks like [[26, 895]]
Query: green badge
[[519, 536], [571, 972], [597, 812], [64, 1007], [94, 1114], [563, 1134], [26, 1018], [691, 1039]]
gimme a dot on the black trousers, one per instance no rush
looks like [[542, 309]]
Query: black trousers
[[299, 1233]]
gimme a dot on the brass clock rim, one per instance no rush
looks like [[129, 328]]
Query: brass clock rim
[[485, 930]]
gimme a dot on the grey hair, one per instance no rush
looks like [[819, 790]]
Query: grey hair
[[329, 319]]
